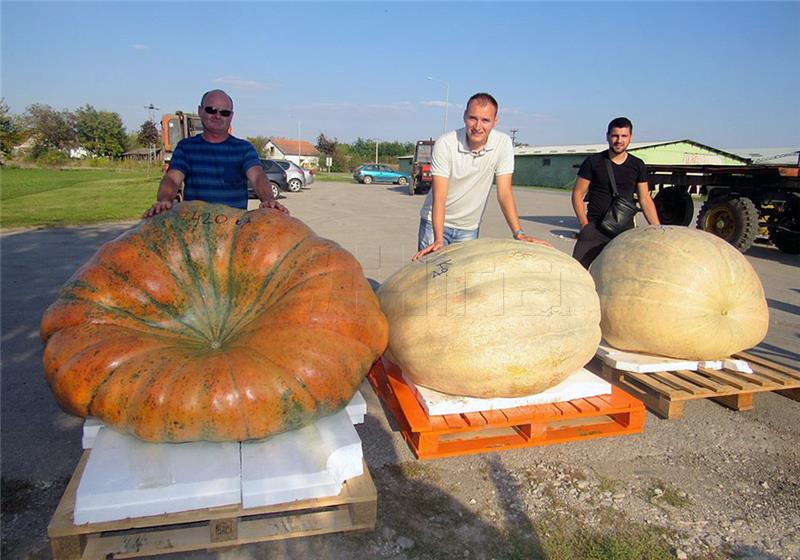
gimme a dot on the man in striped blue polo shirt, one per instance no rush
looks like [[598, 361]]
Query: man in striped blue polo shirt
[[214, 167]]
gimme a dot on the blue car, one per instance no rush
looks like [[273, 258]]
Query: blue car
[[379, 173]]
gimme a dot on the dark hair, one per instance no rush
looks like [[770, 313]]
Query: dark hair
[[483, 99], [620, 122], [203, 98]]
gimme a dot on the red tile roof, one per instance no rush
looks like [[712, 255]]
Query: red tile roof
[[289, 147]]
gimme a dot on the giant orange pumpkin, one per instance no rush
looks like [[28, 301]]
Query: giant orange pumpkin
[[212, 323]]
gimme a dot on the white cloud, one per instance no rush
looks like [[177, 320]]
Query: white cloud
[[437, 104], [241, 84], [140, 47], [401, 106]]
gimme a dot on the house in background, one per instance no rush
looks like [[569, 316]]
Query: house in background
[[300, 152]]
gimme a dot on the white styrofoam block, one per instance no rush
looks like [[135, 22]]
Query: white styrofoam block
[[641, 363], [311, 462], [91, 427], [647, 363], [357, 408], [126, 477], [737, 365], [579, 385]]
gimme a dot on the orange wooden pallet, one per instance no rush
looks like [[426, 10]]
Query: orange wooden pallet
[[448, 435], [665, 392]]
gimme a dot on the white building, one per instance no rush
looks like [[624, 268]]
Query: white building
[[300, 152]]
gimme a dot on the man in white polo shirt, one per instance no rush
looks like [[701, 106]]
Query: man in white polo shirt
[[464, 163]]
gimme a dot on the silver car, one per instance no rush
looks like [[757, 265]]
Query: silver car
[[297, 176]]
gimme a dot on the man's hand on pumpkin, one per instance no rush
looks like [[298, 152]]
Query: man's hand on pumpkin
[[529, 239], [433, 247], [157, 208], [272, 203]]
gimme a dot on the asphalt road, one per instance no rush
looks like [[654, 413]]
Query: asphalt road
[[378, 224]]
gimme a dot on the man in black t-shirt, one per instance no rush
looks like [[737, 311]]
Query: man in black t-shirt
[[630, 175]]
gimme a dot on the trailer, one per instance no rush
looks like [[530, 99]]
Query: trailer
[[741, 204]]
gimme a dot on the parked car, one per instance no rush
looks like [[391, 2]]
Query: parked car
[[379, 173], [297, 176], [357, 170], [276, 176]]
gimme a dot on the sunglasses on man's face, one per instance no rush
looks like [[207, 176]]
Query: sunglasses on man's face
[[213, 111]]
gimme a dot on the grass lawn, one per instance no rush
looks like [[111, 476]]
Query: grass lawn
[[54, 197], [60, 197], [333, 176]]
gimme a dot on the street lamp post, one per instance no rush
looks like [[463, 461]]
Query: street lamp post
[[151, 149], [446, 99], [376, 150]]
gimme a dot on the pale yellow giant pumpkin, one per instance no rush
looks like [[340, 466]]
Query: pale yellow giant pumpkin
[[679, 292], [489, 318]]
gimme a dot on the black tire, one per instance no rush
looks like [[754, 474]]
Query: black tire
[[368, 179], [295, 185], [674, 206], [276, 190], [735, 220], [402, 181], [785, 231]]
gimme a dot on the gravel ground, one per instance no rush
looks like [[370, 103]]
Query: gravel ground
[[713, 484]]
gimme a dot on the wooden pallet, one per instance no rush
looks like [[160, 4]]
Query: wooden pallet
[[450, 435], [355, 508], [665, 392]]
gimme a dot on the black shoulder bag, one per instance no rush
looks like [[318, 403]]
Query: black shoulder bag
[[619, 216]]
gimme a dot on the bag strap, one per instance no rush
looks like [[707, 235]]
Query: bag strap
[[610, 170]]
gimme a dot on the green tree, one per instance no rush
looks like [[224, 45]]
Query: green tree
[[148, 134], [259, 143], [363, 150], [133, 141], [10, 134], [325, 145], [100, 132], [341, 158], [337, 151], [51, 129]]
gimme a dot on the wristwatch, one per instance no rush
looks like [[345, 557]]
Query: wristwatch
[[518, 233]]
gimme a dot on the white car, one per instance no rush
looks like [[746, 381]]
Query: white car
[[297, 176]]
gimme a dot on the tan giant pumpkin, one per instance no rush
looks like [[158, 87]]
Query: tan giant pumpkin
[[489, 318], [679, 292], [211, 323]]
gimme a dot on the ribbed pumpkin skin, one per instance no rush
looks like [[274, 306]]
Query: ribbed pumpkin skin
[[506, 318], [679, 292], [193, 327]]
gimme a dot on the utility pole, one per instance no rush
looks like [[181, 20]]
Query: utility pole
[[514, 136], [151, 155]]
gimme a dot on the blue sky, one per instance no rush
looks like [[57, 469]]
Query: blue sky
[[725, 74]]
